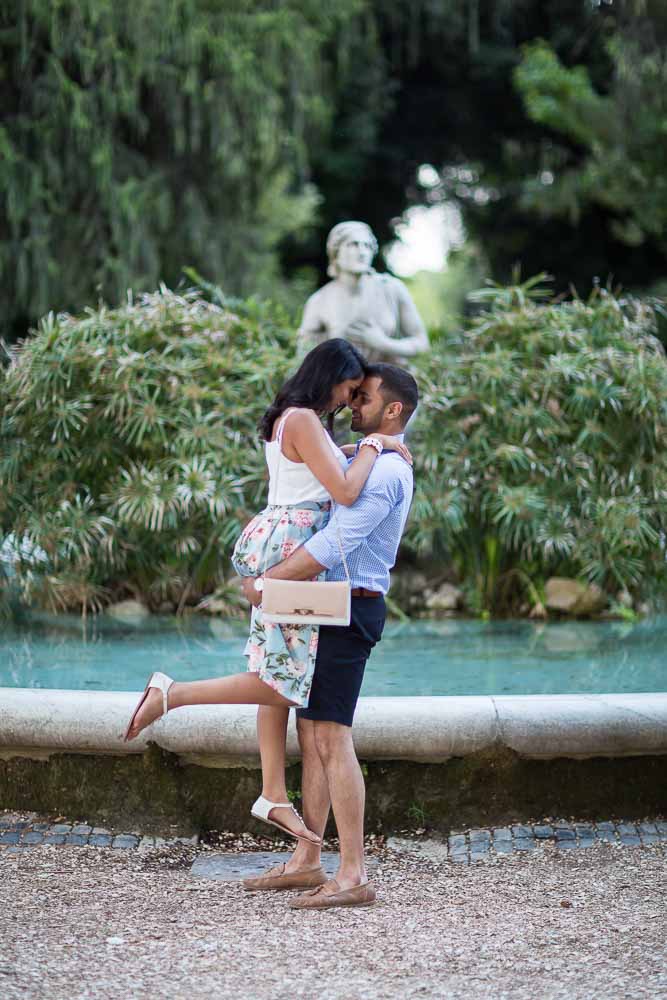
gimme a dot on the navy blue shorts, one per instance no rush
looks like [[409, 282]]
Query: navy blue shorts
[[342, 652]]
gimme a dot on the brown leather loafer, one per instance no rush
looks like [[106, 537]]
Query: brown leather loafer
[[278, 878], [330, 894]]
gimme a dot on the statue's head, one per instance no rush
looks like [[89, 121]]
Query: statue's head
[[351, 246]]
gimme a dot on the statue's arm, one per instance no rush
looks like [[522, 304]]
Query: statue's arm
[[412, 336], [413, 332], [312, 330]]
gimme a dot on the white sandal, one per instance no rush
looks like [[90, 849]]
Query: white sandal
[[162, 683], [261, 809]]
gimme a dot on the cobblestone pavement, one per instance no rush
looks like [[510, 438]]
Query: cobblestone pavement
[[477, 845], [21, 830]]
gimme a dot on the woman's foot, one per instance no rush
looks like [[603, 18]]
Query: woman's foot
[[289, 819], [280, 813], [149, 710], [153, 704]]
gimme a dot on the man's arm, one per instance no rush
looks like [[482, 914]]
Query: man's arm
[[299, 566], [352, 525], [322, 551]]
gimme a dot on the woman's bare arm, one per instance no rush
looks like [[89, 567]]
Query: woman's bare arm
[[306, 438]]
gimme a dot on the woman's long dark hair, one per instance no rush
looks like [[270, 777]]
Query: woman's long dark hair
[[312, 385]]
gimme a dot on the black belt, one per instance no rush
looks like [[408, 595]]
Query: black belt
[[363, 592]]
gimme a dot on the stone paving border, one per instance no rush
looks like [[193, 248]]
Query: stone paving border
[[18, 833], [226, 866], [463, 848]]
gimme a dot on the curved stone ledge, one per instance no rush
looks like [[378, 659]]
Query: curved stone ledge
[[37, 722], [584, 725]]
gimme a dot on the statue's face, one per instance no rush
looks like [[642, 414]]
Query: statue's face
[[355, 255]]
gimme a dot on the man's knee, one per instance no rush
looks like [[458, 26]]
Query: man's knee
[[331, 738]]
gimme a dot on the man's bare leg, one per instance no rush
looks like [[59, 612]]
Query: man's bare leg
[[272, 736], [239, 689], [314, 798], [348, 796]]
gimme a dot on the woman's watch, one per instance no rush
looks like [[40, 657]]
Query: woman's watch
[[259, 584], [373, 442]]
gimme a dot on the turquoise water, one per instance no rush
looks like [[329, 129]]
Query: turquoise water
[[421, 658]]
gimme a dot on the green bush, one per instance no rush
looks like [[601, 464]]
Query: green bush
[[541, 447], [130, 452]]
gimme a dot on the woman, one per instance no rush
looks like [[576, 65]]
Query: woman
[[306, 471]]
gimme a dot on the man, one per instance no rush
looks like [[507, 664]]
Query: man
[[370, 531]]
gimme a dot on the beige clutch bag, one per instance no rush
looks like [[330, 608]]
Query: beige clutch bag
[[290, 602]]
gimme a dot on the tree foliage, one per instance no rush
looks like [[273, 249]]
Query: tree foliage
[[141, 137], [542, 446], [623, 133], [438, 86], [435, 85]]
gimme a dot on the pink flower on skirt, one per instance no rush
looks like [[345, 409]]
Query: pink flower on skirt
[[304, 518], [288, 548]]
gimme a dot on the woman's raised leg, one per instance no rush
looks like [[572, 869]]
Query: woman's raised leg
[[239, 689]]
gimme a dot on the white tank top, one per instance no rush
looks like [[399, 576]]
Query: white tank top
[[293, 482]]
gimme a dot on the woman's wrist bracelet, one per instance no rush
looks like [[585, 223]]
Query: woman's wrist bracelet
[[373, 442]]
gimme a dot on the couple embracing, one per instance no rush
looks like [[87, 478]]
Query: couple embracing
[[317, 669]]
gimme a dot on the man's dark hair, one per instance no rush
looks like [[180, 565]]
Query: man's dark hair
[[397, 385]]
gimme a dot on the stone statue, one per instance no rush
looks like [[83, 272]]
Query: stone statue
[[373, 311]]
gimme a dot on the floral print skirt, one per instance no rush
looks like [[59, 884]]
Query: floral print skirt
[[282, 655]]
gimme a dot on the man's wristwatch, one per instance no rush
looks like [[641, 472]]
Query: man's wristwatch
[[259, 584]]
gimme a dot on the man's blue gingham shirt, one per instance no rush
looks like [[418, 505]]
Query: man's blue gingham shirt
[[371, 529]]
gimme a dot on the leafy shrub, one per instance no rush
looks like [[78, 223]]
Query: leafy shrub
[[130, 457], [130, 453], [541, 446]]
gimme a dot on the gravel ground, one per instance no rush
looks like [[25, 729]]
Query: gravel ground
[[86, 922]]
